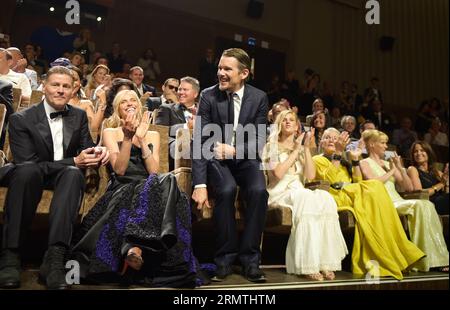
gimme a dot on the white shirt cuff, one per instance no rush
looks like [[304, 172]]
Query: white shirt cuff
[[200, 186]]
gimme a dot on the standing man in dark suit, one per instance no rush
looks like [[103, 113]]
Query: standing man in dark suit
[[180, 115], [6, 98], [51, 145], [230, 105]]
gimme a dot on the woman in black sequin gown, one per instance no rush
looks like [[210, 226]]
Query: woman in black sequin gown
[[139, 232]]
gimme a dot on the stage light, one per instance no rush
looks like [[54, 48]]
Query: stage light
[[52, 9], [99, 19]]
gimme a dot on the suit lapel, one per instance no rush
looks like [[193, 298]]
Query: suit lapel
[[222, 107], [68, 128], [44, 128]]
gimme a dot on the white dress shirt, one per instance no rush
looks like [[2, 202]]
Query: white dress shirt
[[237, 101], [56, 128], [140, 89]]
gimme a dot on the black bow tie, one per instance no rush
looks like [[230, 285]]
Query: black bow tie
[[59, 113]]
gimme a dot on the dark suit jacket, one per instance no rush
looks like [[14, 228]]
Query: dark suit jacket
[[172, 115], [30, 138], [153, 103], [6, 98], [214, 109], [148, 88]]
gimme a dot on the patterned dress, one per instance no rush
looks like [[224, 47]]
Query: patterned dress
[[148, 211]]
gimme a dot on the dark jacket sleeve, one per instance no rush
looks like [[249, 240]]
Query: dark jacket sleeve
[[20, 141], [163, 117], [203, 119]]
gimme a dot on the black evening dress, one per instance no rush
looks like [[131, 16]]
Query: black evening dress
[[148, 211]]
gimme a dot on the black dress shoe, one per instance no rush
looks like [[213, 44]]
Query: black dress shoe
[[254, 274], [221, 273], [9, 269], [53, 272]]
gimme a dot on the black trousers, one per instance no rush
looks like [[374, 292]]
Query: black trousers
[[224, 177], [26, 183]]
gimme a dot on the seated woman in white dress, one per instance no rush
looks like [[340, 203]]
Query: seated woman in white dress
[[425, 229], [316, 246]]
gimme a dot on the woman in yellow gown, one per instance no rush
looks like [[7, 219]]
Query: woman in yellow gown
[[424, 226], [380, 245]]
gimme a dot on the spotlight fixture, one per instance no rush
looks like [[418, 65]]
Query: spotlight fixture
[[52, 9]]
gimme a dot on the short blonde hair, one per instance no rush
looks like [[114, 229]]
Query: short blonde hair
[[114, 120], [373, 135]]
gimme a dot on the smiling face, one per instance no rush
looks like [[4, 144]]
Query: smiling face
[[170, 89], [58, 90], [319, 121], [231, 77], [420, 156], [137, 76], [129, 103], [187, 94], [100, 75]]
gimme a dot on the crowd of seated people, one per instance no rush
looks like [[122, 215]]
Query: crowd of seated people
[[140, 229]]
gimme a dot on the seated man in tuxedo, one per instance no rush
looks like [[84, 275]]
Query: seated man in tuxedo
[[6, 98], [239, 110], [180, 115], [51, 145]]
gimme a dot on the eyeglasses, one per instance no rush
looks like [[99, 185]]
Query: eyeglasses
[[172, 87]]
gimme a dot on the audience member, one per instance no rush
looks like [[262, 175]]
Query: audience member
[[208, 69], [40, 163], [149, 63], [379, 234], [141, 227], [425, 175], [236, 104], [424, 226], [316, 245]]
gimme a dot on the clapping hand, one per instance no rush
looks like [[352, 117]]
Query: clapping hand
[[397, 160], [355, 153], [392, 165], [342, 142], [142, 129], [129, 126]]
